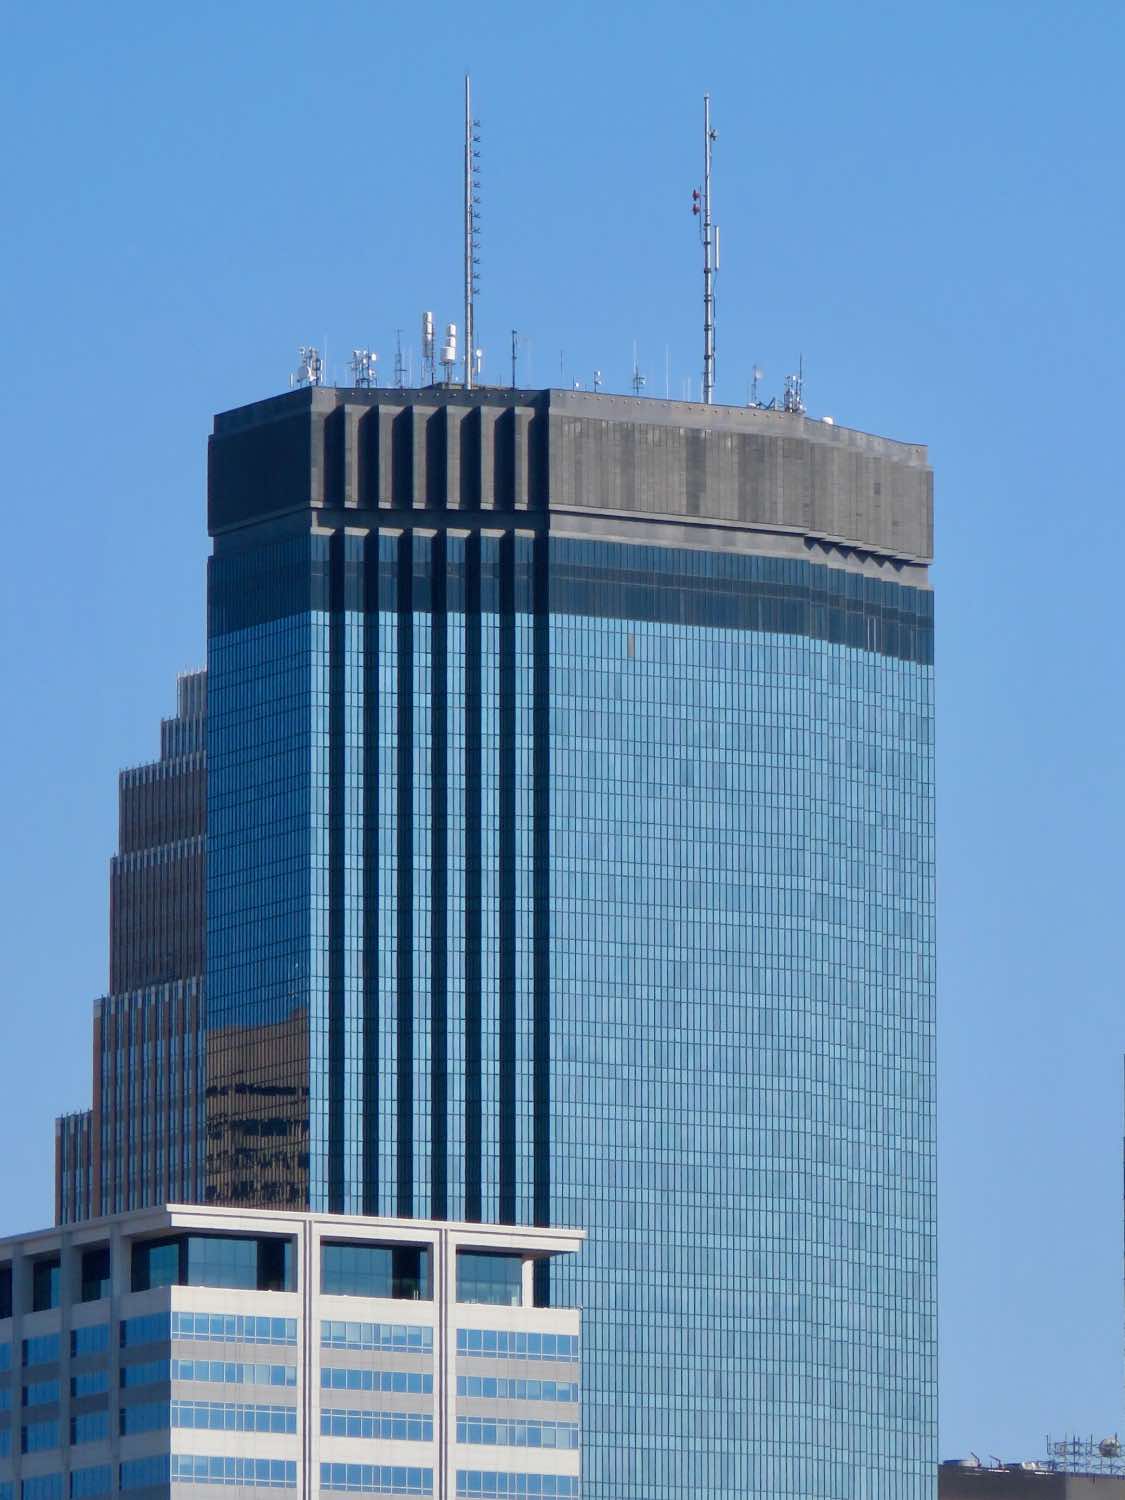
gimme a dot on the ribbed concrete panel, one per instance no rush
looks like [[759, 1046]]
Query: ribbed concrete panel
[[664, 472]]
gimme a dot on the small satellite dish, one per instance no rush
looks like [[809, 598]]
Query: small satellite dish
[[1109, 1447]]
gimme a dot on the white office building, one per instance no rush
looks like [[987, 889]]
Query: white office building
[[171, 1349]]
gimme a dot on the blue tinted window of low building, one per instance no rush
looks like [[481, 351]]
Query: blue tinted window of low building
[[243, 1262], [45, 1284], [213, 1260], [42, 1349], [40, 1393], [156, 1263], [95, 1274], [362, 1270], [484, 1277]]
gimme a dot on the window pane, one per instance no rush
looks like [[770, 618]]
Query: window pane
[[364, 1270], [485, 1277], [45, 1284], [156, 1263], [95, 1274]]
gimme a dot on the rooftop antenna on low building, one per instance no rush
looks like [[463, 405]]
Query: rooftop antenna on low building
[[400, 362], [449, 351], [472, 231], [755, 376], [515, 354], [429, 371], [794, 398], [709, 234], [638, 378], [364, 374], [310, 369], [597, 381]]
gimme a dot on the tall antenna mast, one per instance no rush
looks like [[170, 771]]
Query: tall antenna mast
[[472, 229], [710, 260]]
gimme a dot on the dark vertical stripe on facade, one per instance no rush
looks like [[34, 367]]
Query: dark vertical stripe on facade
[[404, 972], [336, 730], [439, 877], [473, 1208], [541, 908], [541, 887], [507, 872], [371, 1079]]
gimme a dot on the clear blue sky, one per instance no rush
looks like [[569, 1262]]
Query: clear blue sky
[[925, 201]]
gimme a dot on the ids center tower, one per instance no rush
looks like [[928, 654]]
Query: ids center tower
[[570, 862]]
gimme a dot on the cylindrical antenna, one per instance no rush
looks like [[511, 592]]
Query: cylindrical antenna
[[708, 267], [515, 354], [429, 373], [472, 227]]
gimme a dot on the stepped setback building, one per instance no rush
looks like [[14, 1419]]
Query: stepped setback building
[[570, 861], [141, 1142]]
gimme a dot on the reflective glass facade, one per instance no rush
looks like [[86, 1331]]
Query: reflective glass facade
[[580, 882]]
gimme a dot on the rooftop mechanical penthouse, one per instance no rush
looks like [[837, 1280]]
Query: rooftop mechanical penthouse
[[570, 860]]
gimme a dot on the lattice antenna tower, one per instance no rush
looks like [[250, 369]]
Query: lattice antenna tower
[[472, 232], [400, 363], [365, 376], [709, 234], [794, 397], [638, 378]]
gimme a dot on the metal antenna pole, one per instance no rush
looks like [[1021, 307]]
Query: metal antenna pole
[[708, 268], [471, 225], [515, 352]]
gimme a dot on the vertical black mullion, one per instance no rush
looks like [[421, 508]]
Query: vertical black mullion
[[473, 1123], [404, 972], [336, 730], [371, 874], [507, 861], [439, 882], [541, 904]]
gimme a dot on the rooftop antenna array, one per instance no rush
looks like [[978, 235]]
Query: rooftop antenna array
[[709, 234], [794, 398], [449, 351], [310, 368], [638, 378], [429, 370], [364, 374], [472, 231]]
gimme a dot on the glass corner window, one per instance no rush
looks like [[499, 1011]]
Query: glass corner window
[[488, 1276], [155, 1263]]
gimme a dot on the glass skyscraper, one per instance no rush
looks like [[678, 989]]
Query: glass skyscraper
[[570, 861]]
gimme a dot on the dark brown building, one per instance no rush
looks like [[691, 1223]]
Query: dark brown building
[[141, 1142]]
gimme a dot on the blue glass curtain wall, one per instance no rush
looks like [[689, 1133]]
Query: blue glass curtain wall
[[583, 883]]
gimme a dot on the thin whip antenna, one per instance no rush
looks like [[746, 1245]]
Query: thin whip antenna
[[710, 237], [472, 230]]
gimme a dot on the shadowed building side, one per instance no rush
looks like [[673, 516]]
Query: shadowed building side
[[141, 1142]]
